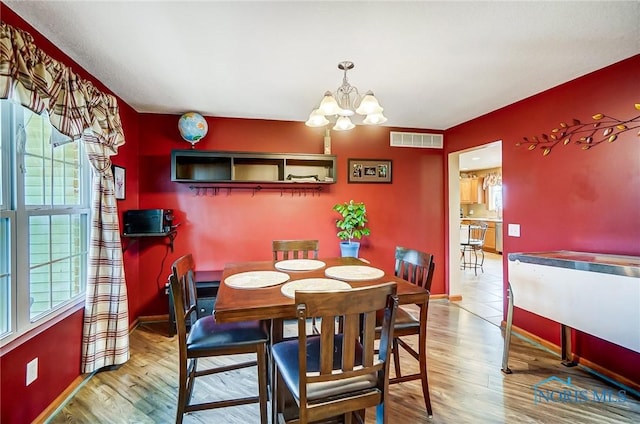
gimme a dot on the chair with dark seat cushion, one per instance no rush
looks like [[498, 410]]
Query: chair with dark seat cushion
[[206, 338], [417, 268], [295, 249], [338, 374]]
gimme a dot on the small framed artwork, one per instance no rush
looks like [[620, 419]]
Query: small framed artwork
[[369, 171], [120, 182]]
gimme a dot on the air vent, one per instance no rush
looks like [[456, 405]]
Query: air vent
[[420, 140]]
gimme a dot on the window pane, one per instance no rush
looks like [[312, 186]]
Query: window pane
[[4, 154], [58, 182], [495, 198], [5, 276], [39, 247], [60, 237], [39, 288], [33, 181], [52, 174], [57, 246], [72, 184], [38, 131]]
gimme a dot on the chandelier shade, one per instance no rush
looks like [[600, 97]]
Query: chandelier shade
[[329, 105], [316, 119], [375, 119], [368, 105], [345, 103], [343, 123]]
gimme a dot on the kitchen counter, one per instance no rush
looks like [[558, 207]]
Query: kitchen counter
[[482, 219]]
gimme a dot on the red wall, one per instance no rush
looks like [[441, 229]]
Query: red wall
[[571, 199], [58, 353], [240, 226], [58, 348], [568, 200]]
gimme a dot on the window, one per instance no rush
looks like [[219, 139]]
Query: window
[[44, 220], [494, 197]]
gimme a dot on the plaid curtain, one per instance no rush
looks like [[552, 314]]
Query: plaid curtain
[[78, 109]]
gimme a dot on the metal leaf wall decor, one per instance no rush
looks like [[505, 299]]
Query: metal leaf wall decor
[[604, 128]]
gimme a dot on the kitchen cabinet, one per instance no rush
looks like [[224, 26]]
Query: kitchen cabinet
[[490, 237], [468, 190]]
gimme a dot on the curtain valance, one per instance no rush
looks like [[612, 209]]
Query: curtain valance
[[492, 179], [38, 82]]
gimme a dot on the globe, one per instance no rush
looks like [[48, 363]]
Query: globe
[[192, 127]]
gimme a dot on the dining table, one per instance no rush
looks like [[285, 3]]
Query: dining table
[[265, 300]]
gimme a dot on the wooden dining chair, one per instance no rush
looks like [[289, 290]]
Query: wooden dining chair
[[205, 338], [295, 249], [338, 373], [417, 268]]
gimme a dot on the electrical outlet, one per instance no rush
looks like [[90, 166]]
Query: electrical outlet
[[32, 371], [514, 230]]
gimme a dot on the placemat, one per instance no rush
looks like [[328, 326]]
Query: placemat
[[299, 264], [354, 272], [315, 284], [256, 279]]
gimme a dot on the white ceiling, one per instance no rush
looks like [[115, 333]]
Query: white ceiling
[[483, 157], [432, 64]]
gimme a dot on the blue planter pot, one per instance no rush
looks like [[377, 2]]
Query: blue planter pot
[[349, 249]]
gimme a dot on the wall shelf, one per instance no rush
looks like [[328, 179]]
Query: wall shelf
[[133, 238], [256, 169]]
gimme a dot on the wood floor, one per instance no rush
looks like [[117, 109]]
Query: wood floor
[[466, 383]]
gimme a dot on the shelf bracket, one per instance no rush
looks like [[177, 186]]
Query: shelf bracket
[[134, 238]]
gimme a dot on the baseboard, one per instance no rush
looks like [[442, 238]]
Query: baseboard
[[153, 318], [134, 324], [61, 399], [455, 298], [438, 296], [591, 367]]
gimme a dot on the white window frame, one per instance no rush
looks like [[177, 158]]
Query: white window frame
[[13, 209]]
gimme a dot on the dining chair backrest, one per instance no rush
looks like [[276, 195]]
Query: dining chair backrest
[[347, 359], [295, 249], [415, 266], [183, 271]]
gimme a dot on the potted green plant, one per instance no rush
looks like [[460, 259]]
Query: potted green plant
[[353, 225]]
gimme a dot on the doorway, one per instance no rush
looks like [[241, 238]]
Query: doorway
[[480, 294]]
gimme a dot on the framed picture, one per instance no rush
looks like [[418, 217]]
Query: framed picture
[[369, 171], [119, 179]]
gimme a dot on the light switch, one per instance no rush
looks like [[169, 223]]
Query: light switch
[[514, 230]]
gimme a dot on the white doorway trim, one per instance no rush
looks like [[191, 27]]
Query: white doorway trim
[[454, 226], [455, 274]]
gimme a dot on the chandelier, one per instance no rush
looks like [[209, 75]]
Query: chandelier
[[345, 103]]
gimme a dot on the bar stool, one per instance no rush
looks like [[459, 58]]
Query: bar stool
[[472, 241]]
